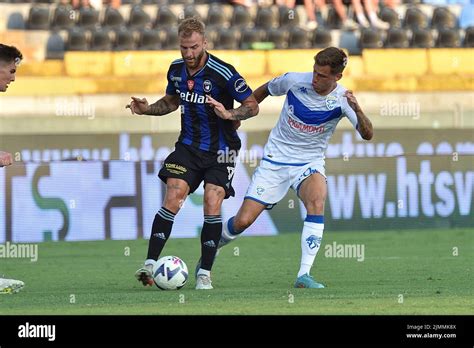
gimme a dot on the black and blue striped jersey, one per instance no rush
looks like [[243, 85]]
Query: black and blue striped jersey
[[200, 126]]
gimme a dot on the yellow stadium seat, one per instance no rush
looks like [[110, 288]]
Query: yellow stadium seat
[[355, 67], [395, 62], [282, 61], [45, 68], [451, 61], [88, 63], [247, 63], [143, 63]]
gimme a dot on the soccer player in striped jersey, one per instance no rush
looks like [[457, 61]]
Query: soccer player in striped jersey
[[294, 154], [10, 57], [195, 83]]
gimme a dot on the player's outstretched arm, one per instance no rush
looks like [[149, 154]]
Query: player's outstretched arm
[[163, 106], [364, 126], [261, 93], [5, 159], [249, 108]]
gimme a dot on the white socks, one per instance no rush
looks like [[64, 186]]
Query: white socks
[[310, 242]]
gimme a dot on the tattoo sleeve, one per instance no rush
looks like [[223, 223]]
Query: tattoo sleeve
[[163, 106], [364, 125], [243, 112]]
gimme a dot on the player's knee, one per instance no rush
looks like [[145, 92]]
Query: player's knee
[[174, 198], [243, 221], [213, 201], [315, 205]]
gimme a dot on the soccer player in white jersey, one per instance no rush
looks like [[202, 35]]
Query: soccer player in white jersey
[[10, 57], [294, 154]]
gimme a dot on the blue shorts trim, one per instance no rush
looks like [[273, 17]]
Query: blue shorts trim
[[268, 206], [284, 164]]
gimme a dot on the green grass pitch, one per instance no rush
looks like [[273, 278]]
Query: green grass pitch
[[403, 272]]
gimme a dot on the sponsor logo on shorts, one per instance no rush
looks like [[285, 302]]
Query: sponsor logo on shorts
[[309, 171], [240, 85], [175, 168], [305, 128]]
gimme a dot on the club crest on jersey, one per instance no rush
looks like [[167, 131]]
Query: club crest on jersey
[[331, 102], [190, 84], [260, 190], [207, 86]]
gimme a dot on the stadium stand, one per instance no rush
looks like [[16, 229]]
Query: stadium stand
[[59, 30]]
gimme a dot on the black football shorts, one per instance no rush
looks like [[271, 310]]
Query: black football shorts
[[193, 166]]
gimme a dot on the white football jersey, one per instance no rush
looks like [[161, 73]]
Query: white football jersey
[[307, 120]]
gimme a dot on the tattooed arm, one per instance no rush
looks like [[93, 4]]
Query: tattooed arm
[[364, 126], [249, 108], [163, 106]]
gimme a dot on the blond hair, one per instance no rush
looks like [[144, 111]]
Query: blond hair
[[190, 26]]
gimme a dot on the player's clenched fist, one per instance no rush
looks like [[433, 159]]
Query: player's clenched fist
[[5, 159], [138, 106]]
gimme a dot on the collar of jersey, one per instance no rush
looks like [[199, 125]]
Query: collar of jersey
[[198, 72]]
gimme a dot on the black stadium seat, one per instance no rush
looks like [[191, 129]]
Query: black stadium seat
[[266, 18], [216, 17], [63, 17], [138, 18], [88, 18], [149, 40], [113, 19], [228, 39], [397, 38], [190, 11], [390, 16], [279, 37], [415, 19], [250, 36], [165, 18], [422, 38], [321, 38], [100, 40], [370, 38], [77, 40], [241, 17], [124, 40], [448, 38], [38, 18], [288, 17], [171, 41], [299, 38], [443, 19], [469, 37]]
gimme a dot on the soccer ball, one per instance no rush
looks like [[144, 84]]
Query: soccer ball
[[170, 273]]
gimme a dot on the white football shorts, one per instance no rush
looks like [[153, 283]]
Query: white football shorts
[[271, 181]]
